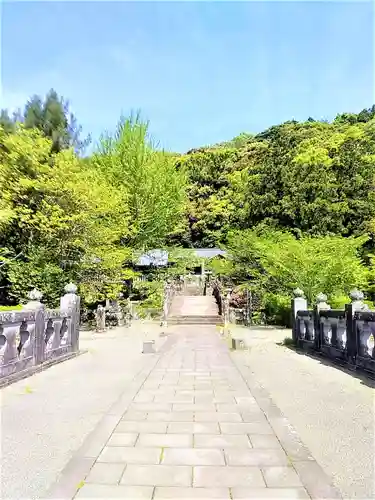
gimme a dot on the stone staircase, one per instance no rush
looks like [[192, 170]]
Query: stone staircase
[[194, 310]]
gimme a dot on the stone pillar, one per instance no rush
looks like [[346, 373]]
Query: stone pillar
[[69, 300], [299, 303], [356, 298], [100, 318], [34, 301], [166, 303], [321, 302], [226, 302], [34, 304], [70, 304], [319, 327], [356, 304]]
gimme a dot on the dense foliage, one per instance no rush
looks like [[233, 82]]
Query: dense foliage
[[293, 205], [312, 177]]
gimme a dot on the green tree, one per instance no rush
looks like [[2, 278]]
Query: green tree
[[150, 185], [211, 197], [277, 263], [55, 222], [53, 118]]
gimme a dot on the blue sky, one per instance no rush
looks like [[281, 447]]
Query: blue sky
[[201, 72]]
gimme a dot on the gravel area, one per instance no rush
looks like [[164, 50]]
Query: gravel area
[[331, 410]]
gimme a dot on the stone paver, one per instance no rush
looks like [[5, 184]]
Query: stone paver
[[261, 441], [256, 457], [193, 456], [126, 455], [281, 477], [102, 492], [157, 475], [166, 440], [194, 430], [194, 427], [228, 476], [103, 473], [123, 439], [269, 493], [221, 441], [191, 493]]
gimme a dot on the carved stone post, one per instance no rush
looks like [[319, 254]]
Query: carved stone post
[[321, 302], [299, 303], [166, 303], [34, 304], [321, 305], [70, 304], [128, 312], [356, 297], [226, 303], [356, 304], [100, 318], [119, 313]]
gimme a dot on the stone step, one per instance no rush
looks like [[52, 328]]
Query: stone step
[[183, 306], [195, 320]]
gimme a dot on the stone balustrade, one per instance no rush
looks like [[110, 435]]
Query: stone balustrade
[[344, 335], [37, 335]]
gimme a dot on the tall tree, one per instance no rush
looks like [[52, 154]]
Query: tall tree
[[152, 187], [53, 118]]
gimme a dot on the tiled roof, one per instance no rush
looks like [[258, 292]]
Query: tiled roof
[[155, 257], [158, 257]]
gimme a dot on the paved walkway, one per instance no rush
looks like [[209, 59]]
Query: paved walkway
[[189, 426]]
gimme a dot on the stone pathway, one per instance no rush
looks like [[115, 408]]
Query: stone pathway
[[189, 427]]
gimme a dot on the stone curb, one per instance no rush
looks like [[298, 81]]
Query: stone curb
[[317, 483], [79, 466]]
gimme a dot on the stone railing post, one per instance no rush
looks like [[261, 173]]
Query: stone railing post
[[356, 304], [70, 303], [299, 303], [34, 301], [34, 304], [356, 299], [100, 318], [321, 302], [226, 302], [169, 290], [321, 305]]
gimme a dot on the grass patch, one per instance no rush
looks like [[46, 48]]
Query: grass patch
[[11, 308]]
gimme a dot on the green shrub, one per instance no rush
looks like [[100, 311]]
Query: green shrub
[[338, 301], [278, 309]]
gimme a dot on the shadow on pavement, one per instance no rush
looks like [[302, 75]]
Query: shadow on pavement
[[364, 377]]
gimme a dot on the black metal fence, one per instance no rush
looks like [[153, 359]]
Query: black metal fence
[[345, 336]]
